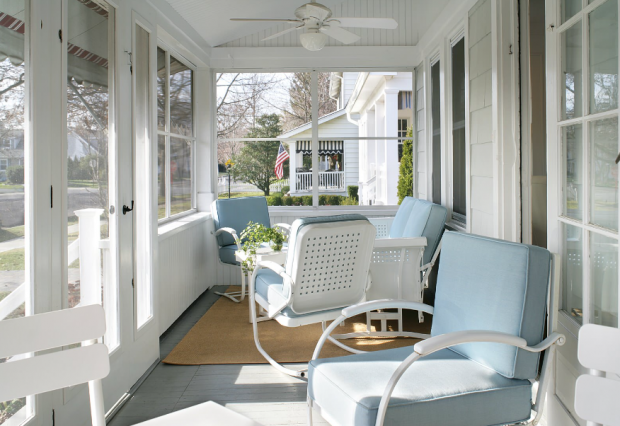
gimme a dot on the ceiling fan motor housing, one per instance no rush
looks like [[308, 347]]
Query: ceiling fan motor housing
[[303, 12]]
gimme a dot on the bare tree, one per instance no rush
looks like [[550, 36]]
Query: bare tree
[[299, 110]]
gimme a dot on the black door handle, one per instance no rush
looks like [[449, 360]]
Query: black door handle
[[127, 209]]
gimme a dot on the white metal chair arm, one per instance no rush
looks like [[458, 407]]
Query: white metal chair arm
[[447, 340], [285, 226], [373, 305], [400, 242], [278, 269], [231, 232], [367, 307]]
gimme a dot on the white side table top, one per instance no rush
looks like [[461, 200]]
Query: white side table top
[[264, 254]]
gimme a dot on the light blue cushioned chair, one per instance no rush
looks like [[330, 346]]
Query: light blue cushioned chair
[[406, 250], [475, 369], [326, 270], [230, 217]]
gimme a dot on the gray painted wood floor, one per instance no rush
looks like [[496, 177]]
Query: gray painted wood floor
[[257, 391]]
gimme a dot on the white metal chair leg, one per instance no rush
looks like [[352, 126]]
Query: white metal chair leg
[[309, 402], [278, 366], [236, 296]]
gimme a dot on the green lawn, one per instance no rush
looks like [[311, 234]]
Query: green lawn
[[7, 185], [12, 260], [11, 233], [83, 184]]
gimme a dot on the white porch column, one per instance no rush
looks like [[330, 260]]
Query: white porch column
[[90, 256], [371, 158], [206, 141], [391, 146], [381, 164]]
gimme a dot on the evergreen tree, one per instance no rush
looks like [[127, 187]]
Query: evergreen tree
[[405, 175]]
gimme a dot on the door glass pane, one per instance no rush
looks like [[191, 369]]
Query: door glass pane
[[161, 89], [87, 160], [568, 9], [459, 177], [603, 280], [180, 98], [573, 173], [572, 272], [13, 247], [604, 171], [571, 72], [161, 176], [436, 128], [180, 175], [603, 51]]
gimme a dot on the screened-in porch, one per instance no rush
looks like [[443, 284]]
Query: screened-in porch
[[180, 181]]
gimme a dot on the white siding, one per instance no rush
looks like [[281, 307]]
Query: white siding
[[414, 17], [348, 85], [481, 119], [420, 128]]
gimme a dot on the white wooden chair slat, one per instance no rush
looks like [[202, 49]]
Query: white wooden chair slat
[[51, 330], [206, 414], [599, 347], [57, 370], [596, 399]]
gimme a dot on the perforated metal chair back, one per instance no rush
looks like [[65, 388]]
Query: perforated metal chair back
[[328, 260]]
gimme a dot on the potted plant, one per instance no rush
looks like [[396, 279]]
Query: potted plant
[[253, 236]]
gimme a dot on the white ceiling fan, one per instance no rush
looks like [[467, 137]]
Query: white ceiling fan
[[317, 22]]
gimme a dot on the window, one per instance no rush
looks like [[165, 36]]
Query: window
[[436, 133], [176, 136], [4, 163], [459, 176], [402, 132]]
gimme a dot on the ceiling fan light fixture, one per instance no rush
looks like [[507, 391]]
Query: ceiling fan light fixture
[[313, 41]]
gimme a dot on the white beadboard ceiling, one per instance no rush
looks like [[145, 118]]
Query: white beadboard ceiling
[[211, 19]]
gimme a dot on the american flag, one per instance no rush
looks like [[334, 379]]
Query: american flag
[[282, 157]]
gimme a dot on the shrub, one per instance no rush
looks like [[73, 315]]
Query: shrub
[[322, 200], [286, 189], [352, 190], [334, 200], [297, 201], [349, 202], [15, 174], [274, 200], [405, 173], [306, 200], [288, 201]]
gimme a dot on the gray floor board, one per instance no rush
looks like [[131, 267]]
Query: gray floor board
[[257, 391]]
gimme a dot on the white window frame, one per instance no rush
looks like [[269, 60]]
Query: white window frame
[[437, 55], [455, 220], [169, 51]]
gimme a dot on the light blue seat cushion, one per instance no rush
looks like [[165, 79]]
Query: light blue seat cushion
[[236, 213], [227, 254], [488, 284], [420, 218], [270, 287], [442, 389]]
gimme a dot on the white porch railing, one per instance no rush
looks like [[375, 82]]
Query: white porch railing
[[328, 181], [88, 248]]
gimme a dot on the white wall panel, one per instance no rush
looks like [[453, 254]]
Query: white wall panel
[[184, 270], [420, 117]]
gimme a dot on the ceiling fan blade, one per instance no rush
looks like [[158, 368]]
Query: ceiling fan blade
[[281, 33], [265, 20], [317, 12], [343, 36], [378, 23]]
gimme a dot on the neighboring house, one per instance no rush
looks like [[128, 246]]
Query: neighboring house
[[11, 151], [338, 155], [381, 105]]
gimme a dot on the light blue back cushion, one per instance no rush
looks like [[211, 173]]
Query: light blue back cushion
[[236, 213], [488, 284], [420, 218], [300, 223]]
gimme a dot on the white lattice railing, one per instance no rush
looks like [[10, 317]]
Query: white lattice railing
[[328, 181], [88, 248]]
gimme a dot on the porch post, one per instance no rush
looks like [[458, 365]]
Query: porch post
[[391, 146], [315, 137], [90, 256]]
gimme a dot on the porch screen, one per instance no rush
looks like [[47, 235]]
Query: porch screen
[[325, 147]]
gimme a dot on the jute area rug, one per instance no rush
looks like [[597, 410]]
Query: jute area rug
[[224, 336]]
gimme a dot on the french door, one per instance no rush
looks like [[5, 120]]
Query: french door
[[582, 102]]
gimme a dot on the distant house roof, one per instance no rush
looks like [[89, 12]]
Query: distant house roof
[[307, 126]]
